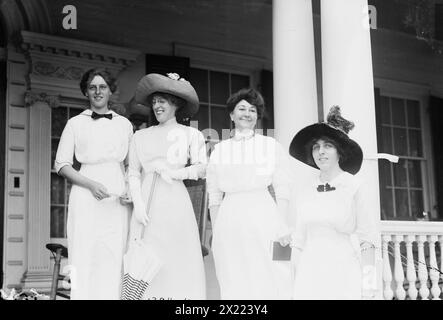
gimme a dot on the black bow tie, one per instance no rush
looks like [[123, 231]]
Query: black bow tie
[[96, 115], [325, 188]]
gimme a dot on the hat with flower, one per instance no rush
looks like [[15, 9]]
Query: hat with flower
[[171, 84], [337, 128]]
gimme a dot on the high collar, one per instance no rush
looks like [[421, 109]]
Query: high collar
[[334, 180], [243, 135], [171, 121]]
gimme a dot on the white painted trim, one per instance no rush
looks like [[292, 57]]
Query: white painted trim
[[80, 46], [403, 88], [414, 227]]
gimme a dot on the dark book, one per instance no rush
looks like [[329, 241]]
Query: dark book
[[280, 253]]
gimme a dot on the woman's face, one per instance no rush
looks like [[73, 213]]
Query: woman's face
[[244, 115], [163, 109], [325, 155], [98, 93]]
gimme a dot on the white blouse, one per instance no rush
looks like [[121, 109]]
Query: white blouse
[[170, 144], [345, 210], [94, 141], [243, 164]]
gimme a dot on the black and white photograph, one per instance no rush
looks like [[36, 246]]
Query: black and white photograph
[[244, 151]]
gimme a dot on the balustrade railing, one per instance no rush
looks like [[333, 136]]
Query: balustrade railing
[[412, 260]]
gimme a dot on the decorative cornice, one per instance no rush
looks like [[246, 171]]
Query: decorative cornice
[[32, 97], [57, 64], [42, 68], [43, 43]]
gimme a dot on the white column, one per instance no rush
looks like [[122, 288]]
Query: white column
[[348, 79], [38, 263], [295, 88]]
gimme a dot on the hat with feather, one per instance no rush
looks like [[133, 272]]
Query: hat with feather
[[337, 128]]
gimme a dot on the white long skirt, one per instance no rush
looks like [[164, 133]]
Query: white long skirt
[[329, 267], [173, 234], [97, 235], [246, 225]]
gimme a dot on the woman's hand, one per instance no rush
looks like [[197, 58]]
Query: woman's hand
[[140, 213], [125, 199], [284, 234], [98, 190], [165, 175], [369, 282], [285, 239]]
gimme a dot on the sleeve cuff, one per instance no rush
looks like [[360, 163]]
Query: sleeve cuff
[[59, 165]]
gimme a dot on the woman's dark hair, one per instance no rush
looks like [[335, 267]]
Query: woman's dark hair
[[180, 103], [250, 95], [91, 73], [341, 152]]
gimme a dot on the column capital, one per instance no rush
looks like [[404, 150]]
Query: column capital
[[31, 98]]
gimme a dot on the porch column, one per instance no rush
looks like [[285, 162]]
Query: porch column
[[348, 80], [38, 263], [295, 88]]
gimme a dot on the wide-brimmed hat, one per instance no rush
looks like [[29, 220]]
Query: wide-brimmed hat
[[337, 128], [172, 84]]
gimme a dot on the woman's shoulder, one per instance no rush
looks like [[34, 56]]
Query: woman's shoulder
[[142, 132], [351, 181], [223, 143], [122, 120], [82, 117], [192, 131], [267, 139]]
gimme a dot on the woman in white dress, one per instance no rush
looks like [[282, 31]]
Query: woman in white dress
[[97, 222], [165, 149], [245, 217], [335, 235]]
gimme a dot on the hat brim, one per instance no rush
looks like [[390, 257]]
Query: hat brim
[[155, 82], [298, 148]]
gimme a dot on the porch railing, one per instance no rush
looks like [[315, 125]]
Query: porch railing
[[412, 260]]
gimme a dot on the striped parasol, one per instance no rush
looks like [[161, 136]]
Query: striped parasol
[[140, 263]]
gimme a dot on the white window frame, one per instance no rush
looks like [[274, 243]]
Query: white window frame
[[224, 61], [420, 93]]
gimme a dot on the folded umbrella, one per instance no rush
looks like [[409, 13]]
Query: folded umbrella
[[140, 263]]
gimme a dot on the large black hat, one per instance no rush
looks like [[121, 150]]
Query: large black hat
[[337, 128], [172, 84]]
